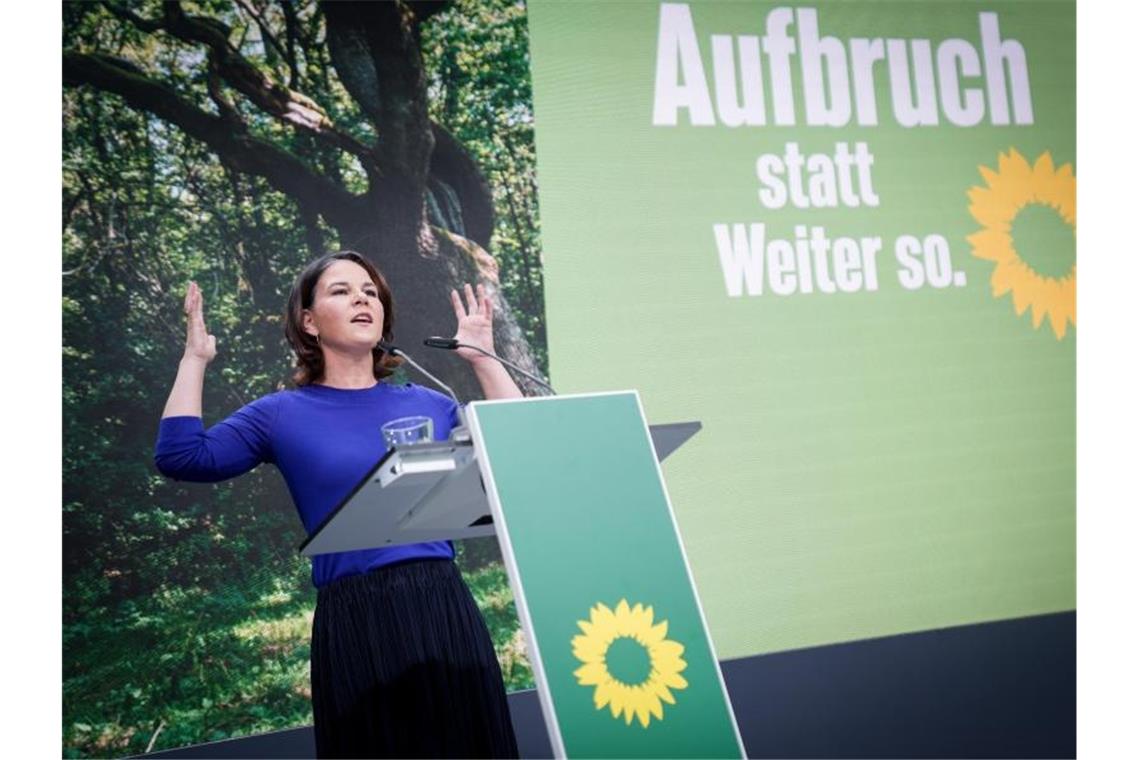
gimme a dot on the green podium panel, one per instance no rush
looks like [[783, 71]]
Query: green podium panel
[[619, 645]]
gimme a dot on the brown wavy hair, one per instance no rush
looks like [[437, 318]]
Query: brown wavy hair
[[310, 366]]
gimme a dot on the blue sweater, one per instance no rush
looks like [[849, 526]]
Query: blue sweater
[[323, 440]]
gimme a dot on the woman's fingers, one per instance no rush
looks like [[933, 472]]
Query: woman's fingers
[[485, 302], [195, 320], [199, 343], [194, 312], [477, 302], [193, 296], [472, 304], [194, 301], [189, 305], [457, 305]]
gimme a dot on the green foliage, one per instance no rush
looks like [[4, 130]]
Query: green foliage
[[186, 665], [186, 607], [477, 55], [492, 593]]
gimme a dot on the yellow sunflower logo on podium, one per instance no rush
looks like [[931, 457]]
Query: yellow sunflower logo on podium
[[1012, 193], [629, 661]]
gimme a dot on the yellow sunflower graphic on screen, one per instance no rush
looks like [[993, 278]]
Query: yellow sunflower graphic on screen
[[1008, 191], [629, 661]]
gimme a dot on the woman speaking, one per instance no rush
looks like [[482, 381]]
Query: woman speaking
[[401, 661]]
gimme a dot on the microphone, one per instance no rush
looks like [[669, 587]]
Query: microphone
[[451, 344], [460, 431]]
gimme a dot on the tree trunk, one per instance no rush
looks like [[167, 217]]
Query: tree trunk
[[421, 284], [375, 50]]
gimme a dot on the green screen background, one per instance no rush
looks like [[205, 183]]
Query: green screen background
[[870, 463]]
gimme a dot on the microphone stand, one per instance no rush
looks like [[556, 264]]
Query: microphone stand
[[459, 433], [451, 344]]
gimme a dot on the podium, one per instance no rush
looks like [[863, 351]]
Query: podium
[[431, 492], [572, 488]]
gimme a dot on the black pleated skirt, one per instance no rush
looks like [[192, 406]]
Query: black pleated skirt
[[402, 665]]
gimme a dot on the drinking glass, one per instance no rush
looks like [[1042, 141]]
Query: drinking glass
[[407, 430]]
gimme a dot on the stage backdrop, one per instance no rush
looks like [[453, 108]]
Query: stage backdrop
[[840, 235], [231, 143]]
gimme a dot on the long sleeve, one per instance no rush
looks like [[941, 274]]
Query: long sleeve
[[186, 450]]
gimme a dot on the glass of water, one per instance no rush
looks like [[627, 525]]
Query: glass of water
[[407, 430]]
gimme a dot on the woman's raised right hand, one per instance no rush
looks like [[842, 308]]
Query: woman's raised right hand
[[200, 344]]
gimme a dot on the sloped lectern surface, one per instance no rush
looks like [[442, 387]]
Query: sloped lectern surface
[[430, 492]]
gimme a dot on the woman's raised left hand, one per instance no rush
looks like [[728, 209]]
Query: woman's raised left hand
[[474, 322]]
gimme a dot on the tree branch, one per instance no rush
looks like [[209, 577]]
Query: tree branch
[[266, 32], [451, 163], [282, 169], [226, 108], [144, 24], [290, 14], [376, 54], [425, 9], [291, 107]]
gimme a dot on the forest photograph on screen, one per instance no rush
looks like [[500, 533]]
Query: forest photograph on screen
[[229, 142]]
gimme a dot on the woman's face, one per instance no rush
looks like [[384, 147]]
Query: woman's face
[[346, 313]]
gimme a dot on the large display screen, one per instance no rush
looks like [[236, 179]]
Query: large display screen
[[841, 236]]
